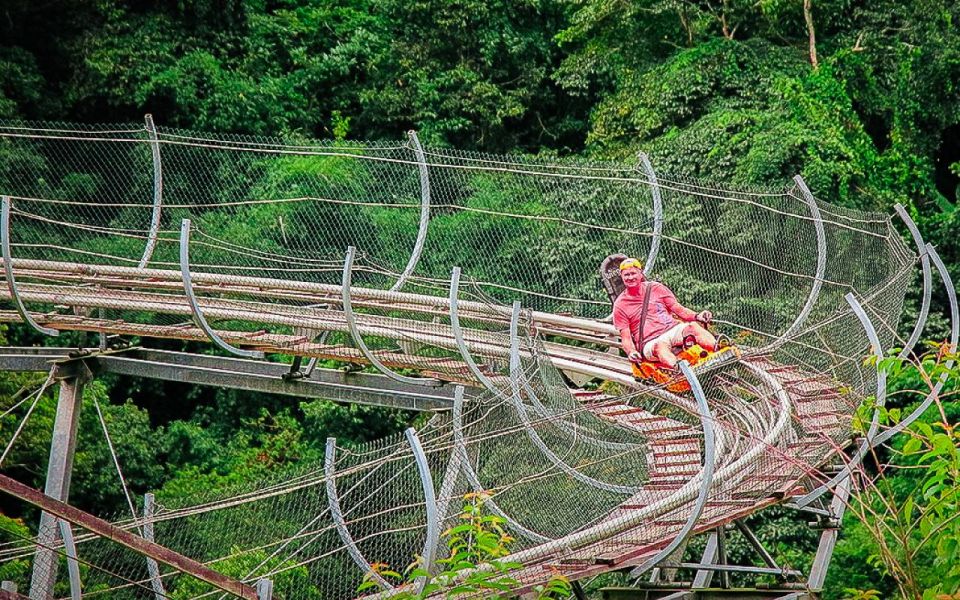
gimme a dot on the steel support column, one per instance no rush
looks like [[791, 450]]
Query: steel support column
[[59, 471], [828, 539]]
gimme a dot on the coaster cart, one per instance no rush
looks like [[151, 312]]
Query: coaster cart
[[654, 372]]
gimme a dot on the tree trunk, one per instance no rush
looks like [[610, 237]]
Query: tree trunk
[[808, 17]]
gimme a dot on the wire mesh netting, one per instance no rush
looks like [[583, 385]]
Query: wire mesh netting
[[153, 232]]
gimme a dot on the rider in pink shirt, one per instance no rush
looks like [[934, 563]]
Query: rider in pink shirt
[[666, 324]]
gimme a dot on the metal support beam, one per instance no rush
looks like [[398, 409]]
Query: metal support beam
[[198, 317], [234, 373], [153, 569], [704, 577], [757, 545], [828, 539], [157, 191], [8, 271], [126, 539], [424, 211], [59, 471], [657, 213]]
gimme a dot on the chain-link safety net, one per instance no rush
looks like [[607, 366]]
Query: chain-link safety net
[[161, 233]]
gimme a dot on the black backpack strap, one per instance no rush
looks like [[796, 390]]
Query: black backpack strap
[[643, 315]]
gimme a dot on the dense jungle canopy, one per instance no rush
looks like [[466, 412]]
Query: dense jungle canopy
[[862, 98]]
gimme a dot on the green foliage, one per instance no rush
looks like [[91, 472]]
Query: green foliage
[[910, 512], [473, 567]]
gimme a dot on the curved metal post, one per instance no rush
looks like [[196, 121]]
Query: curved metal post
[[198, 317], [529, 428], [329, 471], [657, 213], [709, 464], [153, 569], [881, 395], [424, 211], [954, 334], [157, 192], [927, 284], [458, 335], [821, 266], [351, 320], [8, 271], [429, 552], [73, 567], [460, 448]]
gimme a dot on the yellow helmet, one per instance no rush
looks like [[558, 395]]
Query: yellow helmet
[[631, 262]]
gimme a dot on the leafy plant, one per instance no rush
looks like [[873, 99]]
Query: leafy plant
[[911, 507], [474, 566]]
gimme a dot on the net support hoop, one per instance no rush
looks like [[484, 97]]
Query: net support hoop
[[927, 281], [460, 447], [954, 334], [529, 427], [8, 272], [351, 320], [869, 441], [709, 465], [157, 191], [820, 270], [336, 514], [198, 317], [430, 544], [657, 213], [424, 211]]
